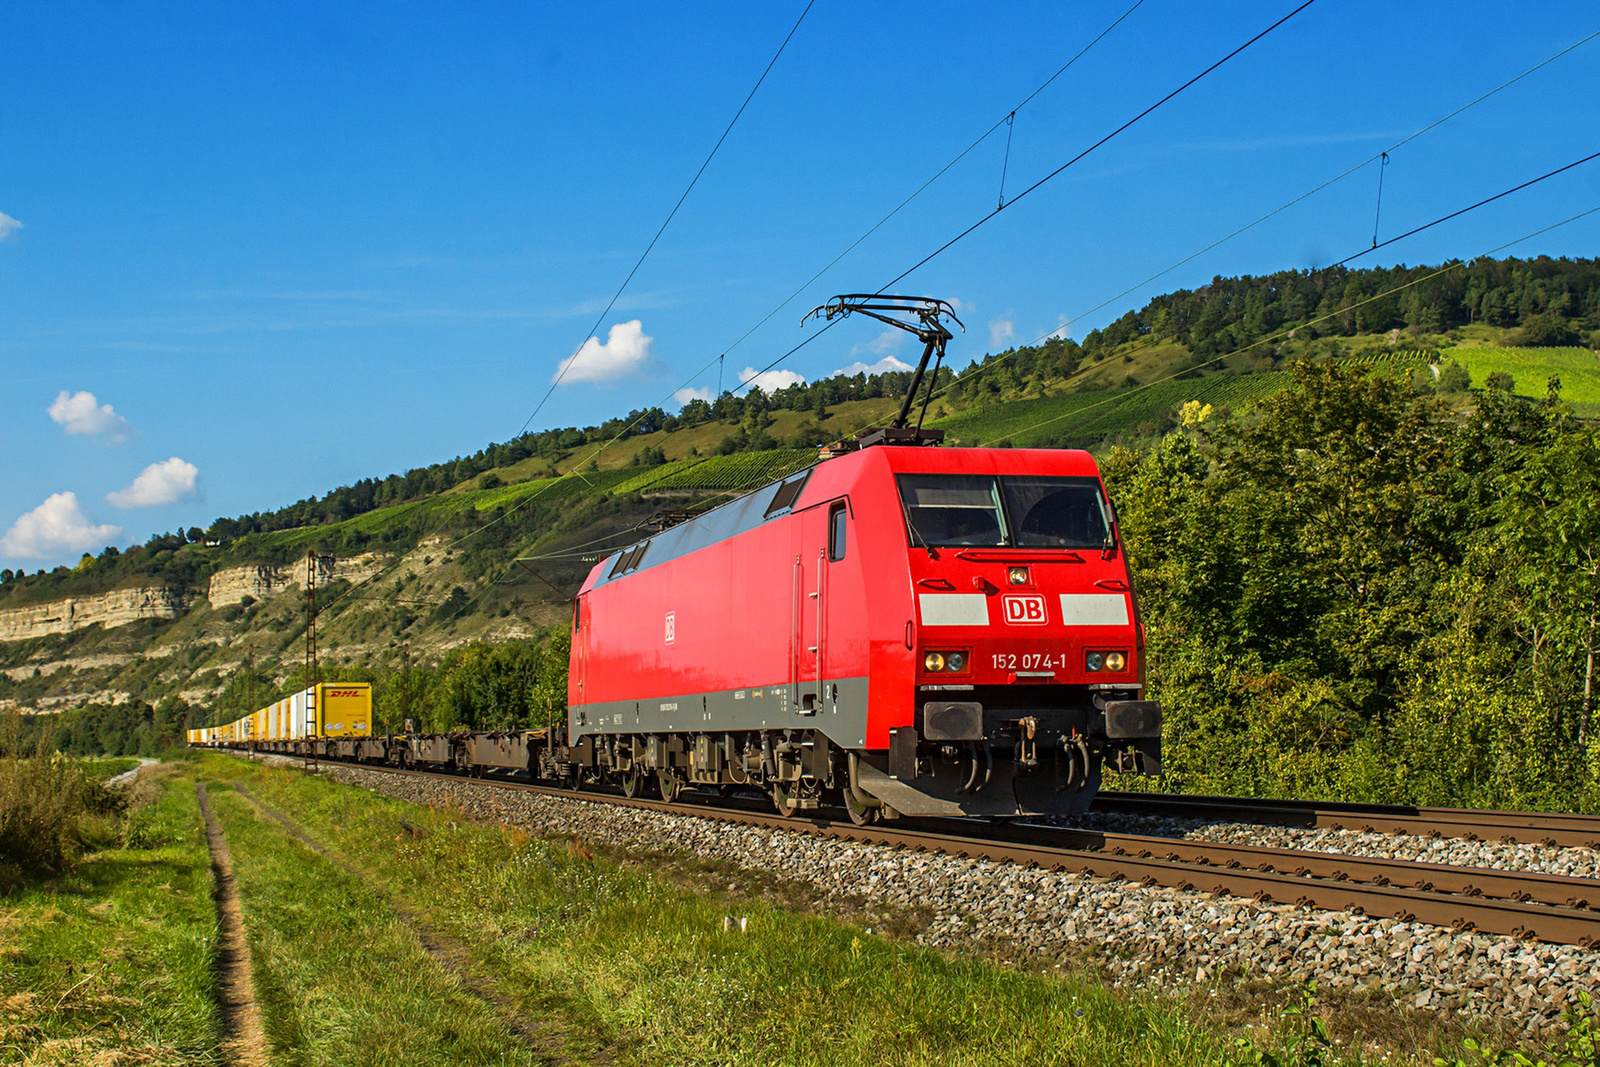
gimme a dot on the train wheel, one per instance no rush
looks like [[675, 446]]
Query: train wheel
[[860, 814], [670, 786], [574, 780], [787, 801], [633, 783]]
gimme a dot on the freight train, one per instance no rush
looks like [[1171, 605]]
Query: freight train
[[328, 713], [897, 630]]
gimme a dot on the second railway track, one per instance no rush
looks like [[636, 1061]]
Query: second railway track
[[1547, 907], [1556, 829]]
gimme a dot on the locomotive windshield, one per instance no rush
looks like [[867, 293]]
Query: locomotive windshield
[[1024, 512]]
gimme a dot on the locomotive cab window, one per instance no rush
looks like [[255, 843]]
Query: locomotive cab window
[[837, 525], [1023, 512], [1057, 512]]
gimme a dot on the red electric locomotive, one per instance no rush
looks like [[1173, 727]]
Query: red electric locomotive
[[901, 629]]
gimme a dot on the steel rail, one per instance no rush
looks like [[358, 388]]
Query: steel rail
[[1438, 894], [1526, 827], [1526, 886]]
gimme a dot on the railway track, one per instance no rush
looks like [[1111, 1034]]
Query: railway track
[[1552, 828], [1546, 907]]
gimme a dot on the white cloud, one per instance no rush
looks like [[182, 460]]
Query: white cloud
[[627, 348], [8, 225], [887, 342], [683, 396], [160, 483], [1001, 330], [1063, 331], [770, 381], [56, 527], [883, 366], [80, 412]]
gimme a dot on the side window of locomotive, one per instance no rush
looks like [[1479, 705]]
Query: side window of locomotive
[[837, 525], [1057, 512], [952, 509]]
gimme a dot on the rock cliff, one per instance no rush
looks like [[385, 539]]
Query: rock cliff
[[116, 608], [261, 580]]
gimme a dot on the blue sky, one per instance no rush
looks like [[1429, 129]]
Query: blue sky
[[292, 245]]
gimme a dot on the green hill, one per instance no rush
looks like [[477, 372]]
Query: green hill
[[487, 547]]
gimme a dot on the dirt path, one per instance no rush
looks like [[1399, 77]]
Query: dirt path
[[247, 1042], [127, 777], [445, 950]]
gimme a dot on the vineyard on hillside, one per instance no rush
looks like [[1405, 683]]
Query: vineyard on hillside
[[745, 470], [1084, 419]]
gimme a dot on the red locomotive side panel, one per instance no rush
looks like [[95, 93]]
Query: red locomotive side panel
[[767, 616]]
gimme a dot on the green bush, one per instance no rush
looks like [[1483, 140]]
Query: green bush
[[47, 805]]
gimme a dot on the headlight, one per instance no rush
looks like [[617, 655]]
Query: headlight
[[1017, 575], [933, 661], [1116, 661], [1094, 661], [955, 661]]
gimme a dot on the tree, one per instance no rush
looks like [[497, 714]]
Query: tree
[[1453, 379], [1548, 535], [1548, 330]]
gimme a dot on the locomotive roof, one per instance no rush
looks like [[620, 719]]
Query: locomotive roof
[[754, 508]]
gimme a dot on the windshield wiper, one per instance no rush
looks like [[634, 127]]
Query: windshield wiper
[[916, 534]]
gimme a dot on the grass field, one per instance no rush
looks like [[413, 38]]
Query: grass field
[[111, 962], [340, 977]]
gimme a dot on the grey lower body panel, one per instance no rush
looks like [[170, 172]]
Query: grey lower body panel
[[838, 712]]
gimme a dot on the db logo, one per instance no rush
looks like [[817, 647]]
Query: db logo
[[1025, 609], [672, 627]]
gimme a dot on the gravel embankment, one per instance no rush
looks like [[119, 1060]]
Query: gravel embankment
[[1144, 934], [1546, 859]]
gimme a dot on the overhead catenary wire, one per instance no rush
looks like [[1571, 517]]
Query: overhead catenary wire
[[1377, 212], [977, 368], [1087, 151], [1462, 211], [1047, 178], [918, 191], [593, 330], [745, 380]]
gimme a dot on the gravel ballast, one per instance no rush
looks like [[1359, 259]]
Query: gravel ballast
[[1138, 934]]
